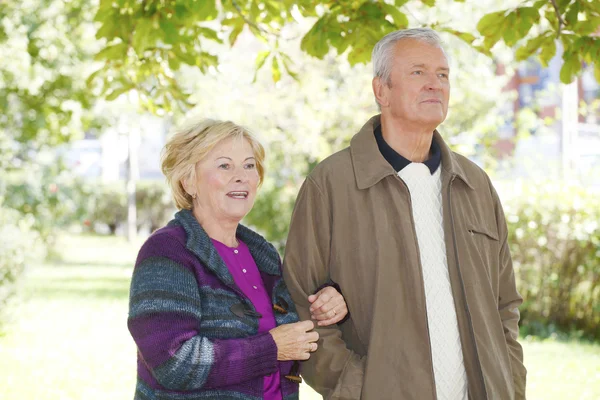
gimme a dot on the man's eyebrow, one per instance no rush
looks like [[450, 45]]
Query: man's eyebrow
[[423, 66]]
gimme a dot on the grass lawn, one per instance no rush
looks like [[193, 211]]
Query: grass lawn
[[66, 336]]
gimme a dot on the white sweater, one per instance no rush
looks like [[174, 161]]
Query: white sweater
[[426, 197]]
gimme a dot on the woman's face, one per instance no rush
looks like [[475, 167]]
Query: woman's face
[[226, 181]]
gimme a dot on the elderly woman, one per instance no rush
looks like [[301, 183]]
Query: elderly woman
[[209, 310]]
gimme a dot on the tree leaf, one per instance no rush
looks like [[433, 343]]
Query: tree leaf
[[286, 60], [170, 31], [107, 29], [113, 52], [548, 51], [185, 54], [261, 58], [400, 3], [117, 92], [209, 34], [510, 35], [204, 10], [235, 32], [144, 35], [260, 61], [428, 3], [530, 48], [571, 67], [571, 16], [491, 23], [314, 42], [587, 27], [92, 76], [275, 70], [465, 36], [400, 19], [526, 17]]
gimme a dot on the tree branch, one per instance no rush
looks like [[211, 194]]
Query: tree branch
[[561, 21], [251, 23]]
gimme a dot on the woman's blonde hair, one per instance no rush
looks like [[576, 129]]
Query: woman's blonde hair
[[191, 143]]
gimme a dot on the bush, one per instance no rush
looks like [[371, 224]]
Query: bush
[[17, 242], [154, 204], [108, 205], [554, 234], [49, 195]]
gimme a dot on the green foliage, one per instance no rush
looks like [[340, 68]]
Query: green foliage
[[18, 242], [147, 42], [573, 22], [154, 204], [554, 233], [109, 205], [45, 51], [47, 194]]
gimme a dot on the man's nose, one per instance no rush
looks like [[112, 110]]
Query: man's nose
[[433, 82]]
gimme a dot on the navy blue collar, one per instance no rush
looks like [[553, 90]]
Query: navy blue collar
[[398, 162]]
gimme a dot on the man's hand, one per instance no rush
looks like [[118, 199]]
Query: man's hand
[[328, 306]]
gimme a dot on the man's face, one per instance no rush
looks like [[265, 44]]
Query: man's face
[[420, 88]]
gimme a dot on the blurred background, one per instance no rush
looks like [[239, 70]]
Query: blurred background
[[90, 90]]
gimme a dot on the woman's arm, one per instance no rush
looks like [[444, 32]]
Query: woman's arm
[[164, 320]]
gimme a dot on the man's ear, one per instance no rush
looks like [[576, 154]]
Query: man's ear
[[380, 90]]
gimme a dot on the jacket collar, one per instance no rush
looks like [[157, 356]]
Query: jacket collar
[[198, 242], [371, 167]]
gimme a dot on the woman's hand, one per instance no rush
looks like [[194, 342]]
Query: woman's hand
[[294, 341], [328, 306]]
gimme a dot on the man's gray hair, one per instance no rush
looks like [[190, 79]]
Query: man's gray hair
[[383, 52]]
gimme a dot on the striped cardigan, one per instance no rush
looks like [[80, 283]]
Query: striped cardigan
[[196, 333]]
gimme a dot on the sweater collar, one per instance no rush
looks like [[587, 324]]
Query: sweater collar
[[399, 162], [370, 166], [198, 242]]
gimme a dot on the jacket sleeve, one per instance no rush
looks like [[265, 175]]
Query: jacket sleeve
[[164, 319], [509, 300], [333, 370]]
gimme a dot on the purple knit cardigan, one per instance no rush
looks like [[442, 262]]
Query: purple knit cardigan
[[196, 333]]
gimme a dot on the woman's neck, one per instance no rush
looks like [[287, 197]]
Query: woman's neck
[[221, 230]]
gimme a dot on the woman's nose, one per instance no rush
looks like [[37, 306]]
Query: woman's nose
[[241, 176]]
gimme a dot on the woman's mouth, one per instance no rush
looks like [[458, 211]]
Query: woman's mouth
[[238, 195]]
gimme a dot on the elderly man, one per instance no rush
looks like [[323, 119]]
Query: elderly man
[[415, 236]]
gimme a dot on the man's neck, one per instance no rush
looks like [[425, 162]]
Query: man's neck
[[410, 142]]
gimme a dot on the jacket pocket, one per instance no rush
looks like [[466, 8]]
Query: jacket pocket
[[482, 253], [482, 230]]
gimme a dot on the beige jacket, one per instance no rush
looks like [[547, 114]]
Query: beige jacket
[[353, 224]]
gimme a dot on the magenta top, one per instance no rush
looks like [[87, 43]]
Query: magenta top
[[245, 274]]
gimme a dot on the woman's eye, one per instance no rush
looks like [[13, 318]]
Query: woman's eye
[[224, 166], [250, 166]]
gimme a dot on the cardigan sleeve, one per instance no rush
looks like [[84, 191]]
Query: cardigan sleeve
[[164, 319]]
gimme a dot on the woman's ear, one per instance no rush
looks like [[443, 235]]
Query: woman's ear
[[189, 182]]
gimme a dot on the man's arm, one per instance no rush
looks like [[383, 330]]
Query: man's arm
[[334, 371], [509, 300]]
